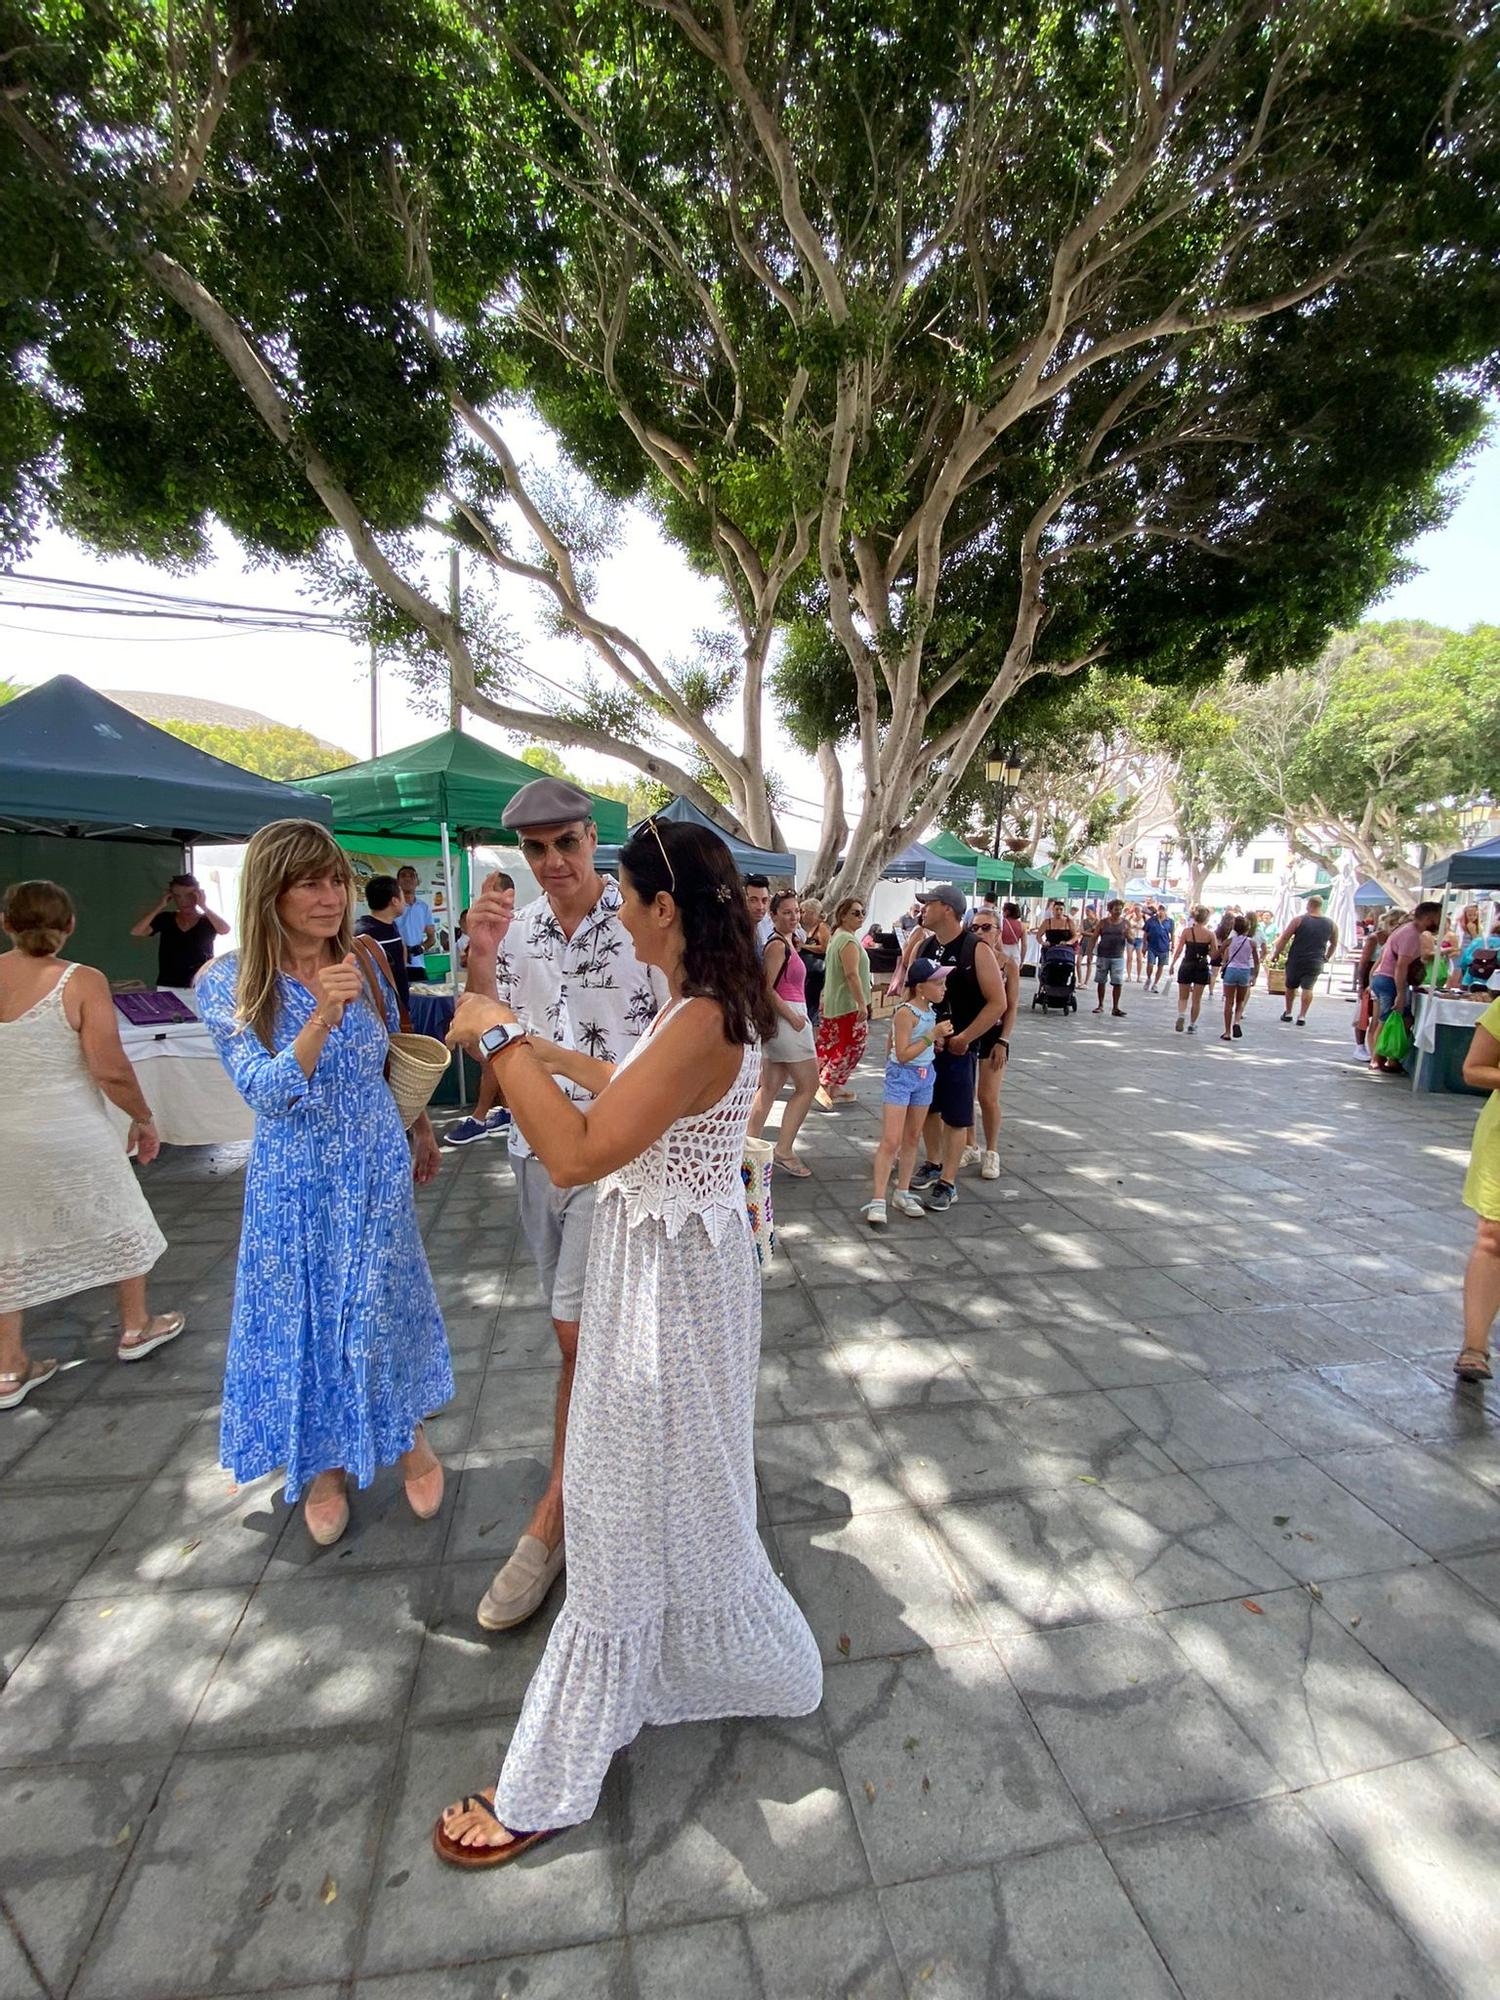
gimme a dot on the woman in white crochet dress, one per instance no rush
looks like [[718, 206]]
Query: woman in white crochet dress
[[72, 1214], [673, 1612]]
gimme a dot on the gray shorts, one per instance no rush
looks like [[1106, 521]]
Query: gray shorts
[[557, 1222]]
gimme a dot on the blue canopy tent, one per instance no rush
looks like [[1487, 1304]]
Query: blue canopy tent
[[924, 864], [1471, 868], [748, 859], [1370, 896]]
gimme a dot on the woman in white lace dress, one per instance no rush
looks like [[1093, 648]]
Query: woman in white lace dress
[[673, 1612], [71, 1212]]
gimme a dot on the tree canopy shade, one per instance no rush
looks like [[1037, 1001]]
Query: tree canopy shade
[[964, 346]]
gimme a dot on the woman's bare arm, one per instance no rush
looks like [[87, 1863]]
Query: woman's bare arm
[[1482, 1063], [99, 1034], [687, 1067]]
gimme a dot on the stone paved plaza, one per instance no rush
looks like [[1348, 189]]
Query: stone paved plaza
[[1154, 1558]]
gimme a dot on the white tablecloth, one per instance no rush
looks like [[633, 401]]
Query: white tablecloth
[[191, 1097], [1438, 1010]]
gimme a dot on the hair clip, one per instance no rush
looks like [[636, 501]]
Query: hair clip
[[723, 895]]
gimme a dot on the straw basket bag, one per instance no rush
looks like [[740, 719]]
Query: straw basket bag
[[415, 1064], [1276, 977]]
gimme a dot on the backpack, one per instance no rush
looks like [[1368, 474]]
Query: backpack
[[1483, 965]]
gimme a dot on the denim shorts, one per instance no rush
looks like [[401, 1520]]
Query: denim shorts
[[1237, 975], [1111, 969], [908, 1084], [953, 1088], [1154, 959], [1383, 986]]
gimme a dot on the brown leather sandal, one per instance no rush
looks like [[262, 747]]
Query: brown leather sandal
[[1473, 1365], [458, 1856]]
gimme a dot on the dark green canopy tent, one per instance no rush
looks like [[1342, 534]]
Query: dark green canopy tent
[[450, 781], [73, 762]]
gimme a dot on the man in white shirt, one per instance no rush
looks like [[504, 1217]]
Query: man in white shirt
[[573, 978]]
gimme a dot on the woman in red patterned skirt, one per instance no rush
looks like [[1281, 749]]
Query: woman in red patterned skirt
[[844, 1028]]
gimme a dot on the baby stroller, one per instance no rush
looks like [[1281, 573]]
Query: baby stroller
[[1057, 980]]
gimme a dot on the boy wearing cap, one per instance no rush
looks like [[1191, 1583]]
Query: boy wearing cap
[[577, 982], [916, 1035]]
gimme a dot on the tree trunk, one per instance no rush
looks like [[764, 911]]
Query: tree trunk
[[835, 822]]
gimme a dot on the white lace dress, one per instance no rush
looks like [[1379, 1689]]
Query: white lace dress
[[673, 1612], [72, 1214]]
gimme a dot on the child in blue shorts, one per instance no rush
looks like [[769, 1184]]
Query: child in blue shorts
[[915, 1033]]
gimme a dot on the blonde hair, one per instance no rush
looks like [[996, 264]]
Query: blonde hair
[[276, 857], [812, 906], [38, 916], [1200, 913]]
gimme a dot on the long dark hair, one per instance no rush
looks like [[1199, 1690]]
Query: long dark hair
[[719, 959]]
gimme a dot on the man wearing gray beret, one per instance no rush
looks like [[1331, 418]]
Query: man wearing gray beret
[[579, 983]]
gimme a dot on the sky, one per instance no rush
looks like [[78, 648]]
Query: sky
[[321, 683]]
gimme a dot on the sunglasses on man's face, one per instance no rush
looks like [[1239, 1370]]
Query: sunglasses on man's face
[[565, 843]]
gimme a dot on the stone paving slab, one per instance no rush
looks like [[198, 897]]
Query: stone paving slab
[[1153, 1556]]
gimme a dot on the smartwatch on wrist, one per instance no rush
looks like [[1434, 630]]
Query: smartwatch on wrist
[[493, 1040]]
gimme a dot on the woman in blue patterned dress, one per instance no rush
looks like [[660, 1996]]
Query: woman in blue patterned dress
[[337, 1349]]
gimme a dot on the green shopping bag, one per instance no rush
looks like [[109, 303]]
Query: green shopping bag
[[1394, 1038]]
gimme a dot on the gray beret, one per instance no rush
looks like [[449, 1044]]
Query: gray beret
[[946, 893], [547, 802]]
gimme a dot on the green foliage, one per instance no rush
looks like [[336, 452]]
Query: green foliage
[[1395, 728], [10, 689], [274, 752]]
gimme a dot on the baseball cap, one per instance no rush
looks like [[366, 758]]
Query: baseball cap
[[922, 969], [949, 895]]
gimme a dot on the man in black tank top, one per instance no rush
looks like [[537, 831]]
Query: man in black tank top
[[974, 1001]]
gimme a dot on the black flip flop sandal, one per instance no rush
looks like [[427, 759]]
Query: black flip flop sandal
[[458, 1856]]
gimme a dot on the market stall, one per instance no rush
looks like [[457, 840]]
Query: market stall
[[103, 802], [185, 1084], [1443, 1023]]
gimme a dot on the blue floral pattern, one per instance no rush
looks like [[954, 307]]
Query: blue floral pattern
[[337, 1349]]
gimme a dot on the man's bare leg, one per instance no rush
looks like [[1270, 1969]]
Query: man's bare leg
[[546, 1522]]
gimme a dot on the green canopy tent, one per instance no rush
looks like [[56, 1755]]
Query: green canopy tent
[[995, 871], [444, 789], [951, 848], [96, 798], [1079, 880], [448, 787]]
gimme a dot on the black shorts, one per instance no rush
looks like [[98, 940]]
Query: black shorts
[[1194, 975], [953, 1082]]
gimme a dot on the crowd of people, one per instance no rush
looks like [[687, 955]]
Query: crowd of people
[[638, 1032]]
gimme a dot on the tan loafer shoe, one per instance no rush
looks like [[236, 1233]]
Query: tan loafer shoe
[[521, 1585]]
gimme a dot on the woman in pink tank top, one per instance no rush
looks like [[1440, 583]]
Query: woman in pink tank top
[[790, 1057]]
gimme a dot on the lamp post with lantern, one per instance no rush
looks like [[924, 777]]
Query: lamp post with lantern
[[1003, 770]]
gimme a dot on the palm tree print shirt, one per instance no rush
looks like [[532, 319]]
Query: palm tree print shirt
[[588, 991]]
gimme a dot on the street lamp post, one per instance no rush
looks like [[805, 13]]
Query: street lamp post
[[1003, 770]]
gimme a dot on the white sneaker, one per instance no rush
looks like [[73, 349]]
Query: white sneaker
[[906, 1204], [989, 1167], [874, 1213], [970, 1157]]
